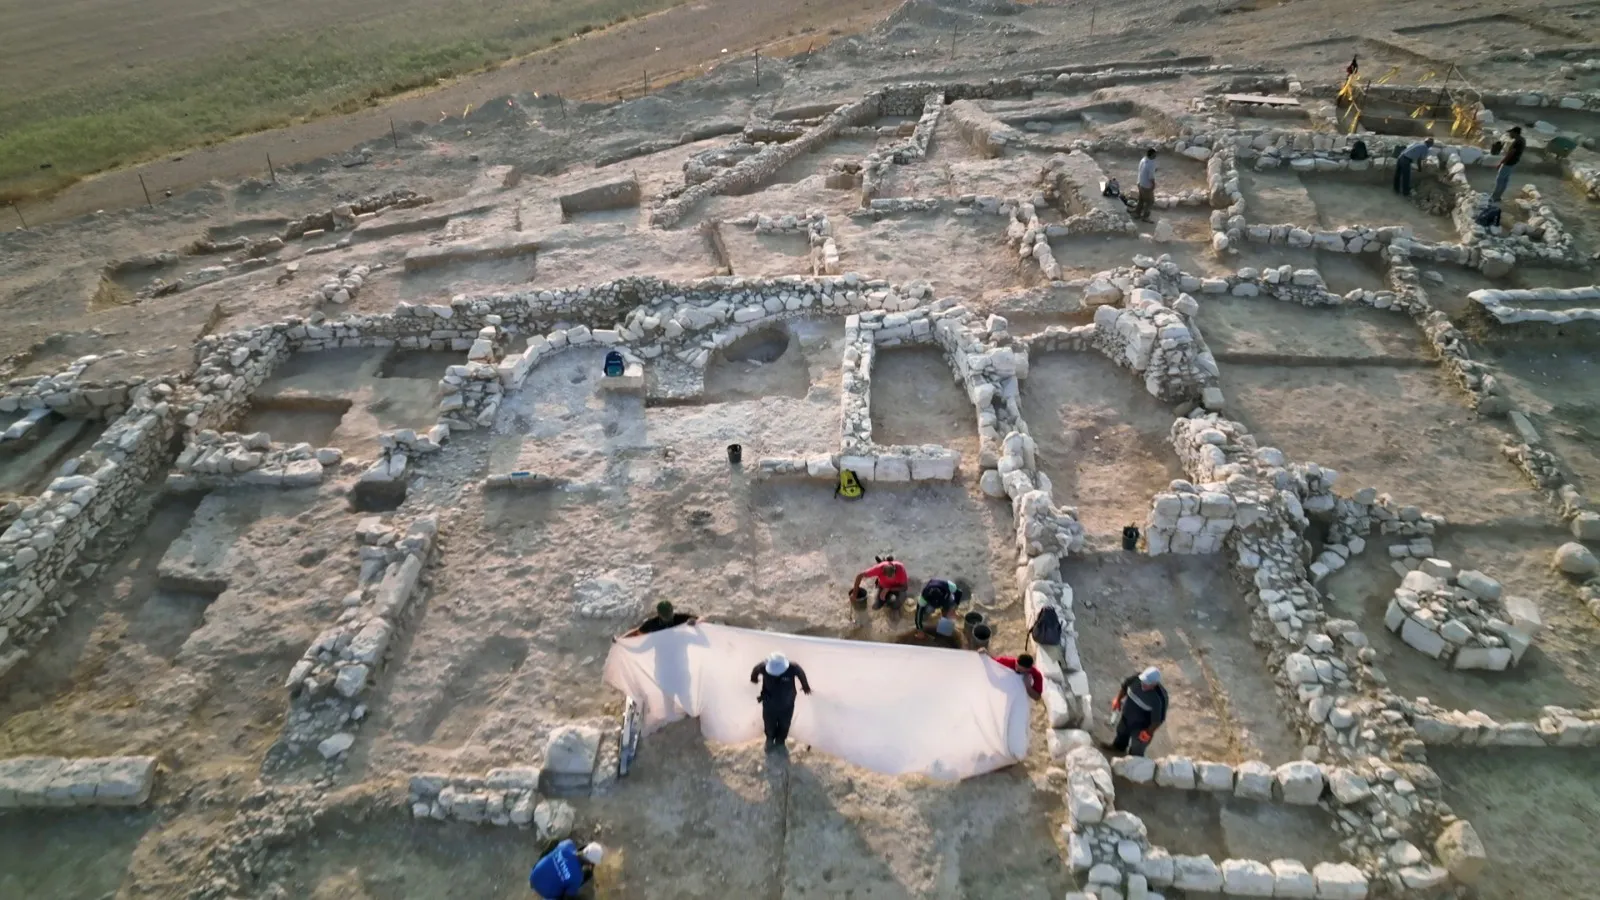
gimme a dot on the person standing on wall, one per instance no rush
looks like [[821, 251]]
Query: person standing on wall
[[1141, 707], [1147, 186], [777, 676], [1508, 163], [1411, 156]]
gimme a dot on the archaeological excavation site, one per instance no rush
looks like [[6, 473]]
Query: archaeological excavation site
[[330, 494]]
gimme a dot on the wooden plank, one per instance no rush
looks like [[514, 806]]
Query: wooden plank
[[1261, 99]]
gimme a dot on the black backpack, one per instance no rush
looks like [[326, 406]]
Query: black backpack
[[1489, 217], [1047, 628]]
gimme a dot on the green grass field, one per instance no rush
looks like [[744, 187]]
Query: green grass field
[[113, 118]]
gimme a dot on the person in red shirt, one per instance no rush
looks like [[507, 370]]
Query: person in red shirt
[[892, 580], [1032, 678]]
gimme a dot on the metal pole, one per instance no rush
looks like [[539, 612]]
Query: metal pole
[[270, 170], [953, 41], [1092, 11], [758, 67], [18, 210], [392, 136], [147, 200], [647, 81]]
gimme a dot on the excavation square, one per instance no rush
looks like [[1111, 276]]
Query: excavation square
[[28, 466], [796, 358], [1089, 255], [1175, 173], [766, 255], [1554, 671], [1268, 331], [1341, 272], [1554, 382], [1185, 616], [1406, 432], [308, 390], [1530, 806], [966, 256], [915, 400], [1191, 823], [45, 854], [1333, 200], [1101, 439]]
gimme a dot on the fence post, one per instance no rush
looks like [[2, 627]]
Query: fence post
[[758, 67], [270, 170], [392, 136], [18, 210], [146, 190]]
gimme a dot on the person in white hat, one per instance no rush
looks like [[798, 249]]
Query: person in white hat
[[777, 676], [1141, 705], [565, 871]]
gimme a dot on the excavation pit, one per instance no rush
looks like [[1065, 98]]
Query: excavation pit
[[1219, 825], [1407, 432], [294, 420], [1102, 439], [1267, 331], [1554, 670], [1331, 200], [915, 400], [1185, 616]]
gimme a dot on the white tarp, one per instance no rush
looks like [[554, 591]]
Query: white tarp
[[890, 708]]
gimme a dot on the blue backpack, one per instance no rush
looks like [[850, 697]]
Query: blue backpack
[[614, 365]]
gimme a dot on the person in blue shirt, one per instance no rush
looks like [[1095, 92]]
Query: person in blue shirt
[[564, 871], [1411, 156]]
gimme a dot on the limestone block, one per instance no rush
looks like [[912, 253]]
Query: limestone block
[[821, 467], [1137, 769], [1423, 878], [1253, 781], [1214, 776], [1494, 659], [1586, 526], [1348, 786], [1176, 772], [1428, 643], [1158, 866], [1084, 802], [1290, 879], [1299, 782], [1246, 878], [571, 750], [940, 467], [336, 745], [1195, 873], [553, 820], [351, 680], [892, 469], [1576, 559], [1461, 851], [1339, 881], [1478, 584]]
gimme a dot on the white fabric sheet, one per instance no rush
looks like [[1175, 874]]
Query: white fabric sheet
[[889, 708]]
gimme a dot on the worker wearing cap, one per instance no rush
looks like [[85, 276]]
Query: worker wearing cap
[[777, 676], [940, 597], [1142, 703], [564, 871]]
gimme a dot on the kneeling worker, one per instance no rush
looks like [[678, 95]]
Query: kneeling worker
[[940, 596], [777, 677], [1142, 702], [663, 619], [565, 871], [891, 578]]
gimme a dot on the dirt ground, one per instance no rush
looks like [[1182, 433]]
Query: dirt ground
[[1332, 201], [1530, 806], [1550, 380], [1252, 330], [1555, 670], [1422, 445], [1224, 827], [1185, 616], [1102, 440]]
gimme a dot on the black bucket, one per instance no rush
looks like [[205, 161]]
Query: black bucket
[[969, 623], [735, 454], [980, 637], [1130, 537], [858, 598]]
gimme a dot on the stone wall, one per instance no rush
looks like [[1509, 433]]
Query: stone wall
[[67, 394], [1555, 727], [43, 545], [1111, 848], [1505, 306], [327, 684], [53, 782], [213, 460]]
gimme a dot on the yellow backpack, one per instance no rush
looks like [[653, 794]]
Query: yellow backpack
[[849, 486]]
